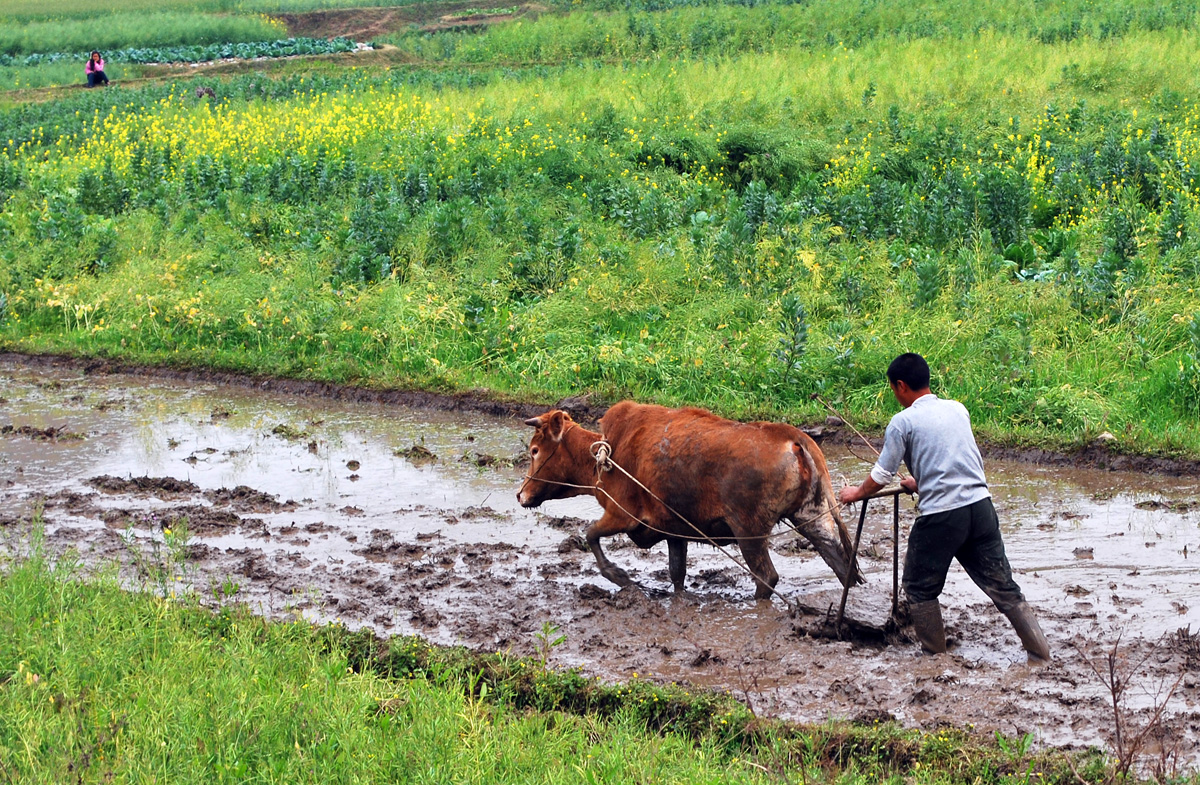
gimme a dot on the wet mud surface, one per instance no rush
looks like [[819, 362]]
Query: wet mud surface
[[405, 520]]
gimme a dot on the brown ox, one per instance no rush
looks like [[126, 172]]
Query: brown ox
[[726, 482]]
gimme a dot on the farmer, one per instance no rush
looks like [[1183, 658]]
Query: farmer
[[957, 520], [95, 70]]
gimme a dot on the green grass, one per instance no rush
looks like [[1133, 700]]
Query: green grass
[[125, 31], [713, 30], [99, 684], [16, 77], [636, 229], [31, 10]]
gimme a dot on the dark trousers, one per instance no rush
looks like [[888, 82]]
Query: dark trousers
[[96, 77], [970, 534]]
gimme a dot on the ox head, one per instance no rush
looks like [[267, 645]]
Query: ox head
[[822, 524], [552, 462], [826, 531]]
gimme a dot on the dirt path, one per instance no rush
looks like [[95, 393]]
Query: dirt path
[[405, 520], [364, 24]]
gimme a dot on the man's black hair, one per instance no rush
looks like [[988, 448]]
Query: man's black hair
[[911, 369]]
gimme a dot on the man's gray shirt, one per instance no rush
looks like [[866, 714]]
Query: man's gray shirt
[[933, 437]]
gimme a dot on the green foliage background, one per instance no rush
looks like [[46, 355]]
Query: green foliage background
[[729, 206]]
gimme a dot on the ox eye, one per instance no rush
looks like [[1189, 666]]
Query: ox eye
[[534, 452]]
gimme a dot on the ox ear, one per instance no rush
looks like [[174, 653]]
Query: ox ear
[[556, 424]]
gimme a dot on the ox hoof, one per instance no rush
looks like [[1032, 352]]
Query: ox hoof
[[619, 577], [764, 594]]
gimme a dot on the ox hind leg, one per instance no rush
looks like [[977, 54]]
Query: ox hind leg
[[677, 564], [607, 526], [753, 544]]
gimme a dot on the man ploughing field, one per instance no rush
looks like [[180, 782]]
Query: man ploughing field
[[957, 520]]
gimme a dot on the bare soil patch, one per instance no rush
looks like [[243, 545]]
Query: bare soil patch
[[364, 24]]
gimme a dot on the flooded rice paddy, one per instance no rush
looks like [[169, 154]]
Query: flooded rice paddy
[[405, 520]]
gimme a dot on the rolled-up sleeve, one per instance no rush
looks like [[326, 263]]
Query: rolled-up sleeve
[[888, 464]]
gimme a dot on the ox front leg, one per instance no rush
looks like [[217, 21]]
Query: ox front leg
[[758, 559], [607, 526], [677, 550]]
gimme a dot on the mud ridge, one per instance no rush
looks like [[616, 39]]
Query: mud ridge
[[585, 409], [162, 487], [248, 499], [42, 434]]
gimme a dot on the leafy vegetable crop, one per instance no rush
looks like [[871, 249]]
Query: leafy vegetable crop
[[286, 47]]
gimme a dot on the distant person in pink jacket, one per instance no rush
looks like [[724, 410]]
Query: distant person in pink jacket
[[95, 70]]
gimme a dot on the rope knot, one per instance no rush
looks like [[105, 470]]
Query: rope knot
[[602, 452]]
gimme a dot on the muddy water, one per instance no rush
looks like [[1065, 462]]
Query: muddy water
[[326, 509]]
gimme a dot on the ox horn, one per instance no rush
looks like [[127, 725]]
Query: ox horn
[[533, 422]]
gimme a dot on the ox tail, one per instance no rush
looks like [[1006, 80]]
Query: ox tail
[[834, 506], [824, 499]]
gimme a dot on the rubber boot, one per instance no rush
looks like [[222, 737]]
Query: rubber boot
[[1028, 630], [927, 624]]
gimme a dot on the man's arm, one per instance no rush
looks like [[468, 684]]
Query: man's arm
[[853, 493], [884, 470]]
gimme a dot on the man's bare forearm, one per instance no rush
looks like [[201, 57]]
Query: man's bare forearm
[[851, 494]]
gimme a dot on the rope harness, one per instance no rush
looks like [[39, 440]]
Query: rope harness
[[601, 451]]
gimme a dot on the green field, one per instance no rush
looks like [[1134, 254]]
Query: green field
[[732, 205], [756, 218], [44, 46]]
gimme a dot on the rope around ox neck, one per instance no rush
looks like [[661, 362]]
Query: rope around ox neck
[[602, 451]]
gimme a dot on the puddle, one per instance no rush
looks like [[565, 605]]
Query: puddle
[[406, 520]]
